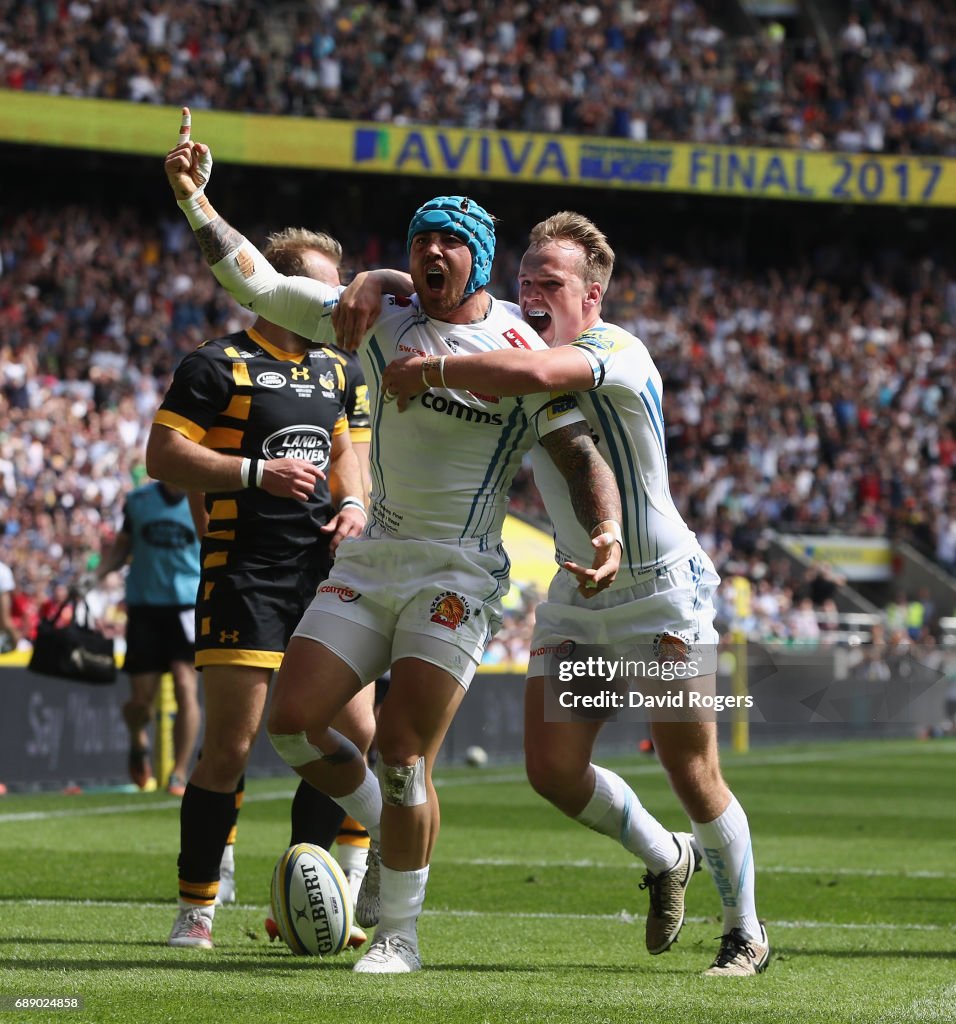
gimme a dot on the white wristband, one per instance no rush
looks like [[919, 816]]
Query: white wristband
[[609, 528], [198, 210], [250, 472], [355, 503]]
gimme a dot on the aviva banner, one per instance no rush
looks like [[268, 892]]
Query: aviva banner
[[420, 150]]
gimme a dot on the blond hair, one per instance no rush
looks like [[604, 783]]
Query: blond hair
[[284, 249], [597, 259]]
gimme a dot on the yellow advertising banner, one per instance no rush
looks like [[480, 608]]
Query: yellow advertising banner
[[857, 558], [421, 150]]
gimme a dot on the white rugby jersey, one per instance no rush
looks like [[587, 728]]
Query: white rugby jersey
[[625, 413], [440, 470]]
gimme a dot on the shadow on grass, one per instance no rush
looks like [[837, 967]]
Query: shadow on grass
[[788, 953], [196, 963]]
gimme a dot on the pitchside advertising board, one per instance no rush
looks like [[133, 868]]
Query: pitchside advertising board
[[55, 733], [525, 157]]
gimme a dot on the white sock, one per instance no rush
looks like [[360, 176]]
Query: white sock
[[228, 861], [209, 911], [402, 893], [354, 862], [364, 804], [726, 847], [614, 810]]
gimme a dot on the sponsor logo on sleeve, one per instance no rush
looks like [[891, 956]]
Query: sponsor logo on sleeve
[[344, 594], [560, 405], [514, 339]]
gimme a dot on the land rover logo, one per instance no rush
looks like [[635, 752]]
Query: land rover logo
[[301, 441], [270, 379]]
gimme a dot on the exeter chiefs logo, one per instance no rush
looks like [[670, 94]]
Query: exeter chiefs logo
[[449, 609], [672, 647]]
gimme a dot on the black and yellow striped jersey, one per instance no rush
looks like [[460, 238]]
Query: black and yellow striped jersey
[[240, 395]]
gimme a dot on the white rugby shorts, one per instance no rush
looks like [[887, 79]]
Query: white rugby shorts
[[387, 599], [631, 621]]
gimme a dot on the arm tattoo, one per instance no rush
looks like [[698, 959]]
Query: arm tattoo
[[593, 489], [217, 239]]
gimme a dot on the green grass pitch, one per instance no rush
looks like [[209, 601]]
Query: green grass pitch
[[529, 917]]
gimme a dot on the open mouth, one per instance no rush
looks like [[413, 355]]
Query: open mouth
[[434, 279], [539, 319]]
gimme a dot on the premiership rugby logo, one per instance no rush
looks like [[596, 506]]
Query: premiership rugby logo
[[345, 594], [561, 404], [450, 609]]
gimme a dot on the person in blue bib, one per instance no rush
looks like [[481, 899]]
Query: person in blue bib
[[158, 539]]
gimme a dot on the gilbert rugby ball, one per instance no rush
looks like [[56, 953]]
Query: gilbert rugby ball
[[311, 901]]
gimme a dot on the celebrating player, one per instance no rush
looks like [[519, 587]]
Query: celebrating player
[[662, 598], [420, 592]]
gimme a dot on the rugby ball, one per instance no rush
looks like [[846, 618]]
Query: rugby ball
[[311, 901], [477, 757]]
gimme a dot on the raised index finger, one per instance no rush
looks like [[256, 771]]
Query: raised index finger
[[184, 126]]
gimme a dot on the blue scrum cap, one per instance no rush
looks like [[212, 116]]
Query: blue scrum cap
[[470, 222]]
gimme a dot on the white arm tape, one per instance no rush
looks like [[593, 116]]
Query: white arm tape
[[198, 210], [300, 304]]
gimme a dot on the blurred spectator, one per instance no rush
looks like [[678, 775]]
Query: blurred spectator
[[812, 397], [9, 635], [663, 70]]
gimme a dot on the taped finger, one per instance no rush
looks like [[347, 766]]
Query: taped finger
[[185, 126], [390, 395], [204, 167]]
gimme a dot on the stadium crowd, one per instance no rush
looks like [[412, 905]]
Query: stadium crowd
[[792, 402], [883, 82]]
